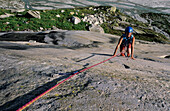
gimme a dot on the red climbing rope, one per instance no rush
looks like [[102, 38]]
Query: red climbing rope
[[38, 97]]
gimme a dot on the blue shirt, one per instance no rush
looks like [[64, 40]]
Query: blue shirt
[[126, 40]]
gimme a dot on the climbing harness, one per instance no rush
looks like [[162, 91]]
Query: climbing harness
[[75, 73]]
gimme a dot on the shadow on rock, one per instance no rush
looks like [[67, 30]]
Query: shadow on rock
[[39, 37], [22, 100], [113, 40], [102, 54], [14, 47], [57, 38], [17, 46], [94, 54]]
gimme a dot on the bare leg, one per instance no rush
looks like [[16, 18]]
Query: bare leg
[[122, 50], [129, 50]]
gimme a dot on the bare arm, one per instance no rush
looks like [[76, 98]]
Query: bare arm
[[118, 45], [132, 51]]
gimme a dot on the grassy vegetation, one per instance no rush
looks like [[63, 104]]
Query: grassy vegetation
[[152, 36], [49, 20], [159, 20], [108, 29]]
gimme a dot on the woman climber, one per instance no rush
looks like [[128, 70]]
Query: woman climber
[[126, 43]]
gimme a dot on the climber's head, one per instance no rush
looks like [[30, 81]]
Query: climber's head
[[128, 31]]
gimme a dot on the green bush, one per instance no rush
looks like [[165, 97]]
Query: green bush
[[108, 29], [48, 20]]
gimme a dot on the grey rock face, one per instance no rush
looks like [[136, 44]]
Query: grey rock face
[[17, 10], [156, 29], [139, 18], [96, 28], [160, 22], [66, 39], [120, 84], [12, 4], [71, 39], [54, 37]]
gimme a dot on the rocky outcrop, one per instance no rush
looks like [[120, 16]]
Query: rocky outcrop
[[58, 16], [72, 13], [6, 15], [17, 10], [22, 36], [96, 28], [71, 39], [160, 22], [156, 29], [96, 19], [111, 10], [35, 14], [122, 18], [75, 20], [139, 18], [13, 4]]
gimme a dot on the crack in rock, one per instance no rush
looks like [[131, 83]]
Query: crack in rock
[[126, 66]]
